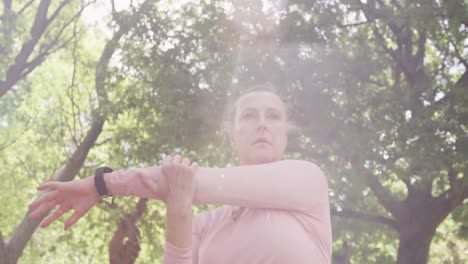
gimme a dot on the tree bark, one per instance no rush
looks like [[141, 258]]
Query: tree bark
[[343, 256], [414, 247], [124, 246]]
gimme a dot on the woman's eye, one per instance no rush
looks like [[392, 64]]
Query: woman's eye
[[274, 116], [247, 116]]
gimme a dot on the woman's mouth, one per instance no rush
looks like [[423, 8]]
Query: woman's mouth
[[261, 141]]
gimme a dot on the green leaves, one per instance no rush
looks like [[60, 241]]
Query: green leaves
[[377, 89]]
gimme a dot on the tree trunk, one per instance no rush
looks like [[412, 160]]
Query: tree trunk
[[343, 256], [414, 247], [124, 246]]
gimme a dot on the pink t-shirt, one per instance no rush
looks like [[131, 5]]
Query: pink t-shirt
[[277, 213]]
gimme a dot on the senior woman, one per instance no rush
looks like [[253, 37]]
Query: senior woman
[[277, 211]]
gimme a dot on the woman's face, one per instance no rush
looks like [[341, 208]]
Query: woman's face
[[259, 133]]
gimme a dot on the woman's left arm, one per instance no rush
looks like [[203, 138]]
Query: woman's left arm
[[288, 184], [179, 177]]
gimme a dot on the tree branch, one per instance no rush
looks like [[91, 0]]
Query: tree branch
[[49, 46], [458, 54], [421, 49], [381, 41], [14, 72], [35, 62], [395, 29], [26, 228], [452, 94], [40, 22], [124, 246], [22, 67], [462, 83], [70, 90], [18, 136], [454, 183], [354, 24], [25, 7], [109, 50], [451, 198], [57, 11], [100, 143], [395, 207], [3, 253], [113, 6], [7, 4], [348, 213], [465, 191], [403, 54], [398, 6]]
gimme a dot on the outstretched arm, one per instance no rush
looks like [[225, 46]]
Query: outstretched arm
[[287, 184], [81, 195]]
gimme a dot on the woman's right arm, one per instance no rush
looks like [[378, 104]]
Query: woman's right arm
[[81, 195]]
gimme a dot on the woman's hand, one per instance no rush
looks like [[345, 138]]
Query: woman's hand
[[177, 182], [79, 195]]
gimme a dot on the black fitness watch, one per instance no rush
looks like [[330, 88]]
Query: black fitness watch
[[99, 181]]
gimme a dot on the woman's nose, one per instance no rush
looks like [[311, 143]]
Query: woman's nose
[[261, 122]]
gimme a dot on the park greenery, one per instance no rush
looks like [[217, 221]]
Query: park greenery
[[377, 90]]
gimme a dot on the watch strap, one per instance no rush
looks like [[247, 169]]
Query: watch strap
[[99, 181]]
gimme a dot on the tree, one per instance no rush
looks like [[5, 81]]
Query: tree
[[379, 89], [397, 115], [12, 248], [123, 102], [48, 33]]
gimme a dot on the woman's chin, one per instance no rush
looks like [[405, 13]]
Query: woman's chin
[[264, 158]]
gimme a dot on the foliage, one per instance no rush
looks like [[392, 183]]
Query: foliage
[[378, 89]]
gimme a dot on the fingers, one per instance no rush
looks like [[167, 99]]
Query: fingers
[[52, 217], [185, 162], [49, 185], [43, 208], [176, 159], [43, 198], [165, 163], [167, 160], [72, 219]]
